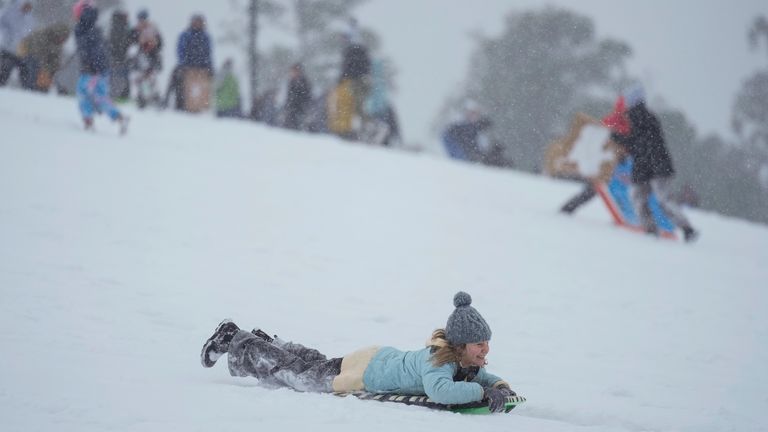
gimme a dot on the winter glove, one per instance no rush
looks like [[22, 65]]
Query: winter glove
[[496, 399], [506, 390]]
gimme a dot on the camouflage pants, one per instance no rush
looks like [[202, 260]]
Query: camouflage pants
[[277, 364]]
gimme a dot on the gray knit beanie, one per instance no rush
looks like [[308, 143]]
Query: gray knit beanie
[[466, 325]]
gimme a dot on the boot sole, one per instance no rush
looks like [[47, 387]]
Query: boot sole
[[210, 346]]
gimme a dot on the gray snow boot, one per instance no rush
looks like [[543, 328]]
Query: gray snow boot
[[218, 344]]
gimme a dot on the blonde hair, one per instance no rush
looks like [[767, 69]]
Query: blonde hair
[[442, 350]]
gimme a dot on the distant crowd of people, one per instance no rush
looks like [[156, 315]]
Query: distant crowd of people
[[356, 107], [127, 62]]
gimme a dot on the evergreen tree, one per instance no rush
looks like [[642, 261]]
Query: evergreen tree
[[544, 66]]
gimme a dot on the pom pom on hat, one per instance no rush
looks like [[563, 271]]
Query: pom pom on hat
[[466, 325], [462, 299]]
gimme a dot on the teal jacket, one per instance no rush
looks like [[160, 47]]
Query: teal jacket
[[412, 373]]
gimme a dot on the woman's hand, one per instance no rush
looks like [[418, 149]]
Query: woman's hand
[[496, 397]]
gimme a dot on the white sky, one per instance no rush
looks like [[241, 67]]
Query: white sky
[[691, 55]]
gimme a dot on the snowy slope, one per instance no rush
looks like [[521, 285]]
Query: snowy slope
[[119, 255]]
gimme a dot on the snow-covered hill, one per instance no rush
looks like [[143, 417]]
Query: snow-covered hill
[[119, 255]]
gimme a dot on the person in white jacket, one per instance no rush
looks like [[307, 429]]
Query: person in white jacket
[[16, 23]]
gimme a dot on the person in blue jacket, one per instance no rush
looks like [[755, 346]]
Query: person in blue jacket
[[93, 84], [465, 139], [193, 51], [194, 46], [450, 370]]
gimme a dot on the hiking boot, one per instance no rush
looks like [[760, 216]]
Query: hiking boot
[[260, 334], [690, 234], [218, 344], [88, 123]]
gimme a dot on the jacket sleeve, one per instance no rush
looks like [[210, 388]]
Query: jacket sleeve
[[209, 50], [181, 47], [440, 387], [487, 379]]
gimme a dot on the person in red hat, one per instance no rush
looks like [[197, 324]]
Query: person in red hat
[[617, 122]]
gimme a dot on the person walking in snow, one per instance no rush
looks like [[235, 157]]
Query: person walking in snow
[[93, 84], [16, 23], [652, 169], [450, 370]]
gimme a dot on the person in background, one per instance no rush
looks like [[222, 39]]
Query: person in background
[[119, 42], [93, 84], [43, 50], [264, 108], [356, 68], [464, 139], [381, 125], [340, 109], [193, 51], [16, 23], [652, 169], [298, 98], [148, 61], [616, 121], [228, 103]]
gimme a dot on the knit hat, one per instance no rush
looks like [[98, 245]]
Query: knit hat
[[466, 325], [617, 121], [634, 95]]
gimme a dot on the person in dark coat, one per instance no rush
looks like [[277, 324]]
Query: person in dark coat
[[93, 84], [356, 68], [193, 50], [652, 169], [462, 139], [194, 46], [298, 98], [119, 42]]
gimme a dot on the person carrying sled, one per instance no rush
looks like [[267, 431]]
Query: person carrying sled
[[558, 165], [450, 370], [194, 67], [652, 168], [93, 84]]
